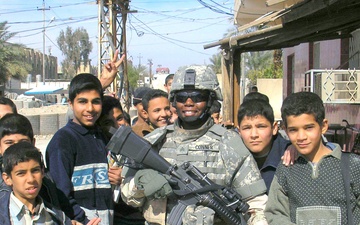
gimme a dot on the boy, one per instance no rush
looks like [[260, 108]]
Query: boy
[[111, 115], [168, 81], [127, 120], [77, 158], [259, 131], [215, 112], [14, 128], [138, 94], [157, 108], [23, 170], [312, 191]]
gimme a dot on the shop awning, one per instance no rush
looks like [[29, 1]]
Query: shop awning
[[44, 89], [306, 21]]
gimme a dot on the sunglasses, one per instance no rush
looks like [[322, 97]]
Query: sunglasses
[[195, 96]]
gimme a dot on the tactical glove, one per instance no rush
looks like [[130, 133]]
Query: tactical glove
[[152, 183]]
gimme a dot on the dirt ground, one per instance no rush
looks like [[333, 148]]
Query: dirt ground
[[52, 109]]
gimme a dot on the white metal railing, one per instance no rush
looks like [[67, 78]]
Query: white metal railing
[[334, 86]]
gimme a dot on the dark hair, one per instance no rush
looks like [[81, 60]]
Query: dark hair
[[7, 101], [254, 89], [256, 107], [303, 103], [256, 95], [127, 118], [16, 124], [168, 78], [215, 107], [84, 82], [139, 94], [18, 153], [154, 93], [109, 103]]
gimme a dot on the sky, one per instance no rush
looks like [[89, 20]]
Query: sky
[[171, 33]]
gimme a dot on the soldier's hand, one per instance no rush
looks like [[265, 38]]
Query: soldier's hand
[[153, 183]]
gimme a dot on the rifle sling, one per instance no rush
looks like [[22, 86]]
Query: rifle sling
[[209, 188]]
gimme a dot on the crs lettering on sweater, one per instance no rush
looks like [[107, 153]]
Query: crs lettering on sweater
[[90, 176]]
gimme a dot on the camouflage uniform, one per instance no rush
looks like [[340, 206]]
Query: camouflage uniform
[[216, 151]]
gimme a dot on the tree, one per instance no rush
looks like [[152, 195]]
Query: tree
[[216, 63], [76, 47], [134, 74], [12, 63]]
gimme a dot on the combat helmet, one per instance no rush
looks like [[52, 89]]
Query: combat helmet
[[196, 77]]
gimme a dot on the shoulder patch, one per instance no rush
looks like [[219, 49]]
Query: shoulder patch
[[158, 134]]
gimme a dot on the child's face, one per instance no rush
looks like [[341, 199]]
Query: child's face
[[12, 139], [257, 133], [159, 111], [305, 134], [25, 180], [216, 117], [140, 111], [167, 86], [86, 107], [117, 114]]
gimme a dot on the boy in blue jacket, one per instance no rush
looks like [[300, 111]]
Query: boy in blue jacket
[[77, 158], [259, 131]]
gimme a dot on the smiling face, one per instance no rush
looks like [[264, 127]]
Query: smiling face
[[159, 111], [86, 107], [306, 135], [25, 180], [190, 106], [257, 133]]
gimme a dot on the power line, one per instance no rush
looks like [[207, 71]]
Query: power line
[[214, 9], [6, 11], [61, 24], [40, 21], [169, 39]]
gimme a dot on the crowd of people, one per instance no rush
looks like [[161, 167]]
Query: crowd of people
[[84, 183]]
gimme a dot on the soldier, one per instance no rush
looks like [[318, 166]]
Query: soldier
[[194, 137]]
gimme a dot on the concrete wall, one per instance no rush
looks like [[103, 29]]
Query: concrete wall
[[273, 89], [44, 121], [47, 124]]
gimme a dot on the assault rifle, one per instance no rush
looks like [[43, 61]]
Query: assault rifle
[[190, 186]]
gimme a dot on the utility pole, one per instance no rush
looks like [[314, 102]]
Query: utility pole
[[140, 57], [150, 68], [112, 36], [124, 8], [43, 56]]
